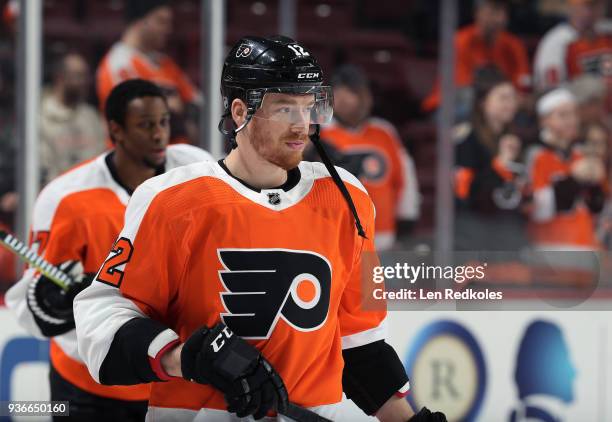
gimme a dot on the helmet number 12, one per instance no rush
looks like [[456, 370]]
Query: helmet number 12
[[298, 50]]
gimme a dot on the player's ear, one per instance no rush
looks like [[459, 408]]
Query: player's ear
[[239, 111], [115, 131]]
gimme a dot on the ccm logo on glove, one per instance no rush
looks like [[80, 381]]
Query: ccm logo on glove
[[218, 342]]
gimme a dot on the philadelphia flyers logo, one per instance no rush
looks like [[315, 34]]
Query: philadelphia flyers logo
[[368, 165], [244, 50], [263, 285]]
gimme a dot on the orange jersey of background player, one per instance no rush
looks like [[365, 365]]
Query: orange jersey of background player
[[78, 217], [385, 169], [124, 62], [281, 267]]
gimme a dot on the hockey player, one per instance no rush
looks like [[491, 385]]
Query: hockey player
[[376, 155], [236, 286], [76, 219]]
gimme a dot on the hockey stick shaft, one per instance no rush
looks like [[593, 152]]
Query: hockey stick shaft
[[27, 255], [301, 414]]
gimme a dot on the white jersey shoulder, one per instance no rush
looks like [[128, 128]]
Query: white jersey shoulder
[[316, 170], [182, 154], [331, 125], [119, 59], [180, 174], [148, 190], [91, 175], [384, 125]]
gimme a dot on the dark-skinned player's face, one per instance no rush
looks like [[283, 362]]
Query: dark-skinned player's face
[[146, 132]]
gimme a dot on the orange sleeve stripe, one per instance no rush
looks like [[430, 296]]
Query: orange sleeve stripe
[[463, 182]]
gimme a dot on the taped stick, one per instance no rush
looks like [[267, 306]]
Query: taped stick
[[27, 255]]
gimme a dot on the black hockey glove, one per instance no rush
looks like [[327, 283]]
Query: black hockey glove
[[51, 305], [218, 357], [425, 415]]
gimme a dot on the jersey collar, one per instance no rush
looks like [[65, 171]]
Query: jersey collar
[[293, 178]]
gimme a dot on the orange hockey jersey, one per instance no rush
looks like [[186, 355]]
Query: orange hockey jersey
[[385, 169], [124, 62], [77, 217], [281, 267]]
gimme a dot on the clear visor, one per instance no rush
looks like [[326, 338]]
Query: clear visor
[[294, 105]]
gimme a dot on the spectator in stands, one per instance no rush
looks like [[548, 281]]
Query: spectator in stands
[[597, 144], [482, 43], [550, 62], [489, 178], [71, 129], [568, 187], [140, 54], [371, 149]]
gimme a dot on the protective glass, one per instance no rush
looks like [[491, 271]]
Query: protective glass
[[293, 105]]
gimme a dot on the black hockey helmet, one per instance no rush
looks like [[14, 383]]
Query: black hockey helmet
[[256, 66]]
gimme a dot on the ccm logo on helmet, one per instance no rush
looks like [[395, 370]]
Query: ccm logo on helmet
[[308, 75]]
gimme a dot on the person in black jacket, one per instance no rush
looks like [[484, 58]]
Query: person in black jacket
[[489, 176]]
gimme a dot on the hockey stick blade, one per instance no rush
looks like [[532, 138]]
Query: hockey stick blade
[[27, 255], [301, 414]]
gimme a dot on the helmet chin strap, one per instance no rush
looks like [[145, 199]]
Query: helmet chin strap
[[231, 134], [315, 138]]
